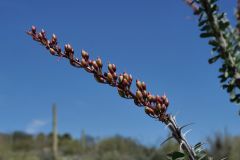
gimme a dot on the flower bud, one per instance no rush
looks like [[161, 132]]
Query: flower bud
[[43, 32], [94, 64], [54, 39], [139, 94], [83, 63], [139, 84], [52, 51], [149, 96], [114, 68], [109, 77], [130, 78], [166, 102], [85, 55], [144, 86], [163, 108], [159, 99], [40, 36], [144, 93], [68, 48], [33, 29], [125, 75], [99, 62], [125, 82], [110, 68], [115, 76], [120, 79], [154, 98], [149, 111], [159, 106]]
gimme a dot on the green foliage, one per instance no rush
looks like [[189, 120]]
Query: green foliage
[[225, 42]]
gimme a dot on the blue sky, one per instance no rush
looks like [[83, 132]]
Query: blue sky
[[156, 41]]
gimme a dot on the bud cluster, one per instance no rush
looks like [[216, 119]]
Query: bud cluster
[[155, 106]]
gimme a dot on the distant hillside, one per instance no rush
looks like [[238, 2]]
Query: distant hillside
[[22, 146]]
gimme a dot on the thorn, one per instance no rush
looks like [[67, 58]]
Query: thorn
[[180, 147], [187, 132], [185, 126], [166, 140], [166, 127]]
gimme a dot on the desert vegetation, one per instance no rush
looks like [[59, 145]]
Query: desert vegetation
[[23, 146]]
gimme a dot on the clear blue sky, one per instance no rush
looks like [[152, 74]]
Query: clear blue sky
[[156, 41]]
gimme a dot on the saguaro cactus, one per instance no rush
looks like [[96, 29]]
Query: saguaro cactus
[[54, 133]]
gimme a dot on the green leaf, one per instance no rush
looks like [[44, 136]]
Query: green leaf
[[223, 25], [221, 16], [222, 78], [198, 145], [176, 155], [206, 35], [213, 1], [225, 86], [230, 88], [213, 43], [205, 28], [213, 59], [214, 8], [202, 22]]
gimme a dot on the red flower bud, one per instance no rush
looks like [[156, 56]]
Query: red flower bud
[[99, 62], [163, 108], [54, 39], [125, 82], [120, 79], [125, 75], [166, 102], [52, 51], [114, 68], [159, 106], [149, 111], [154, 98], [130, 78], [115, 76], [149, 96], [139, 84], [159, 99], [33, 29], [139, 94], [94, 64], [43, 32], [85, 55], [109, 77], [164, 97], [68, 48], [144, 93], [40, 36], [83, 63], [144, 86], [110, 68]]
